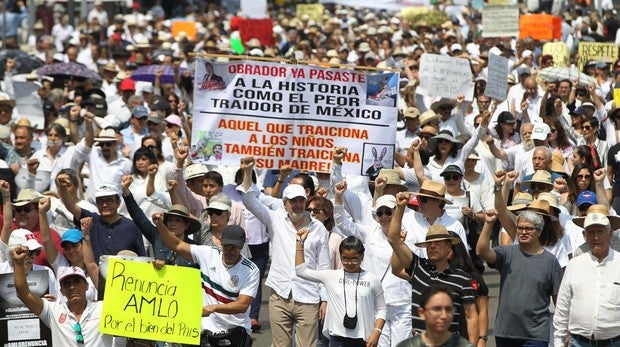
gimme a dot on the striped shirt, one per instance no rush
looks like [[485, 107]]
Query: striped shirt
[[222, 284], [423, 274]]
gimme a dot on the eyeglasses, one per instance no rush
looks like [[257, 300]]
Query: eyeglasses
[[384, 212], [354, 260], [440, 309], [424, 137], [315, 210], [105, 201], [451, 177], [521, 228], [35, 253], [586, 127], [212, 212], [539, 186], [583, 177], [106, 144], [24, 209], [79, 338]]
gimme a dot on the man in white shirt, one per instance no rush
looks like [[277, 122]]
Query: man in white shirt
[[587, 307], [294, 302]]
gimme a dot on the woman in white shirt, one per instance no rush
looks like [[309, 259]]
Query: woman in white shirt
[[149, 190], [356, 308]]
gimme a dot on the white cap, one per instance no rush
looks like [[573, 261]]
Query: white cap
[[106, 190], [388, 201], [596, 218], [540, 131], [23, 237], [68, 271], [220, 202], [294, 190]]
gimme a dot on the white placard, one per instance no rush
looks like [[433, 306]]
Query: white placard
[[497, 81], [390, 5], [445, 76], [254, 9], [500, 21]]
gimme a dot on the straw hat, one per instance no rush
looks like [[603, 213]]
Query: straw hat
[[434, 190], [442, 103], [438, 232], [540, 176], [183, 212], [596, 212], [364, 47], [552, 200], [520, 201], [393, 178], [557, 163], [428, 116], [5, 100], [412, 112], [542, 207]]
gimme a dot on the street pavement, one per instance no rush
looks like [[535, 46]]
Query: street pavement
[[262, 338]]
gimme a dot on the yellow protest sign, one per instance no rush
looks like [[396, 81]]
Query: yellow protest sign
[[314, 11], [596, 51], [617, 97], [413, 11], [160, 305], [499, 2], [559, 51]]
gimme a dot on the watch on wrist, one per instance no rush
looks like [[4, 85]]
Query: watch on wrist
[[497, 188], [483, 337], [87, 237]]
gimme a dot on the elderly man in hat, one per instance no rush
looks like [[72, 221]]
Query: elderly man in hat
[[523, 317], [294, 301], [405, 137], [422, 272], [226, 272], [587, 312]]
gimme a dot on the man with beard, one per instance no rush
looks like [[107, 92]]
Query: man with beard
[[294, 301]]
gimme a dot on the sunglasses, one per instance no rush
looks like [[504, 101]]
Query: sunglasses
[[451, 177], [314, 210], [24, 209], [586, 127], [583, 177], [384, 212], [539, 186], [35, 253], [214, 212], [77, 328]]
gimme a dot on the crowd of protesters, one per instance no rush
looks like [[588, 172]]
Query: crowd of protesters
[[526, 185]]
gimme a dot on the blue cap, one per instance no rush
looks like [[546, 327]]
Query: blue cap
[[586, 197], [140, 112], [72, 235]]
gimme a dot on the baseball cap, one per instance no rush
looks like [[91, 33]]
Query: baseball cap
[[195, 170], [219, 202], [451, 169], [71, 235], [586, 197], [294, 190], [524, 71], [23, 237], [106, 190], [128, 84], [506, 117], [155, 117], [140, 112], [540, 131], [233, 235], [175, 120], [388, 201], [68, 271]]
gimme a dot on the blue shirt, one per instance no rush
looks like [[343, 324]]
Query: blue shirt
[[13, 20]]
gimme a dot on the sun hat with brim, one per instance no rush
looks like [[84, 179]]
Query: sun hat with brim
[[233, 235], [106, 190], [23, 237], [443, 102], [557, 163], [27, 196], [5, 100], [106, 135], [586, 197], [364, 47], [542, 207], [540, 176], [194, 170], [588, 104], [70, 271], [552, 200], [444, 135], [473, 156], [520, 201], [72, 236], [293, 191], [182, 211], [428, 130], [387, 200], [434, 190], [219, 202], [393, 178], [428, 116], [595, 212], [438, 232], [411, 112]]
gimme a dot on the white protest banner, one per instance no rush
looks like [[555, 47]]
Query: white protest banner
[[445, 76], [28, 103], [254, 9], [500, 21], [497, 80], [390, 5], [293, 114]]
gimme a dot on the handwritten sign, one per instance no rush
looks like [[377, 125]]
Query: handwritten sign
[[188, 27], [540, 27], [145, 303], [314, 11], [596, 51], [559, 51], [445, 76], [289, 114], [262, 29], [497, 81], [500, 21], [617, 97]]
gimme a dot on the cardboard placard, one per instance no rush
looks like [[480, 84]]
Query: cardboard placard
[[188, 27], [605, 51], [445, 76], [262, 29], [540, 27], [500, 21], [559, 51], [314, 11], [497, 81]]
